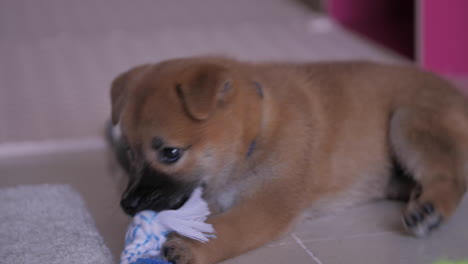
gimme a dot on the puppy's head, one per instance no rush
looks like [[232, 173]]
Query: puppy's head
[[185, 123]]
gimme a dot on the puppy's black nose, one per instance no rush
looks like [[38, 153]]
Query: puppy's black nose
[[130, 205]]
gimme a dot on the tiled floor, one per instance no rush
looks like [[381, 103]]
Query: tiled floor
[[367, 234]]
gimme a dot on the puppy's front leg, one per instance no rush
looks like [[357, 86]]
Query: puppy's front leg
[[252, 223]]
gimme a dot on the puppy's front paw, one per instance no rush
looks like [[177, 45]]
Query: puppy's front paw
[[178, 251]]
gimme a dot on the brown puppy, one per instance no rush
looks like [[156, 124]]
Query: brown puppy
[[268, 141]]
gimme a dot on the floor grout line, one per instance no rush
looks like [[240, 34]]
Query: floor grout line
[[26, 148], [310, 253], [349, 237]]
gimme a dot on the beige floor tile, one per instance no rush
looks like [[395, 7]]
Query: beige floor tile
[[283, 241], [389, 249], [362, 243], [278, 254], [374, 218]]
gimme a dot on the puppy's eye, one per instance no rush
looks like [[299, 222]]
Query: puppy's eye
[[170, 155]]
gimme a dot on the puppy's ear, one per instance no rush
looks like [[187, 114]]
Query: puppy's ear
[[203, 88], [119, 90]]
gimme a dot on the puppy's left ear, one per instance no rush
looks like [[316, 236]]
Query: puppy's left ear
[[203, 89]]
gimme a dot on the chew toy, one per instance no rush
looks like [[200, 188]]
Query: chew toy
[[148, 230]]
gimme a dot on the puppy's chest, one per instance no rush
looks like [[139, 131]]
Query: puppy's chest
[[226, 198], [222, 199], [229, 195]]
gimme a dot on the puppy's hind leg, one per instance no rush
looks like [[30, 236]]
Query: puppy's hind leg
[[432, 149], [401, 185]]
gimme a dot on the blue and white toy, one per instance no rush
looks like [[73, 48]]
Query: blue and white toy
[[148, 230]]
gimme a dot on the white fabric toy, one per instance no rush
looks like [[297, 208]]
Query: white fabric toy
[[148, 230]]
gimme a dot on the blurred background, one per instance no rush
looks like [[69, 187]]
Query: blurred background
[[59, 57]]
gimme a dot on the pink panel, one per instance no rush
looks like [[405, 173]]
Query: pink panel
[[349, 11], [388, 22], [444, 43]]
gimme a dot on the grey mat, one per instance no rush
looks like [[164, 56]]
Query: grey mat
[[48, 224]]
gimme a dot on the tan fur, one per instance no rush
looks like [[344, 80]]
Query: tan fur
[[325, 136]]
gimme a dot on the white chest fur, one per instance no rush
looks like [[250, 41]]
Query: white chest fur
[[227, 197]]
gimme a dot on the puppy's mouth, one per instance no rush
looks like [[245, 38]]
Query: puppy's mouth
[[181, 201], [155, 191]]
